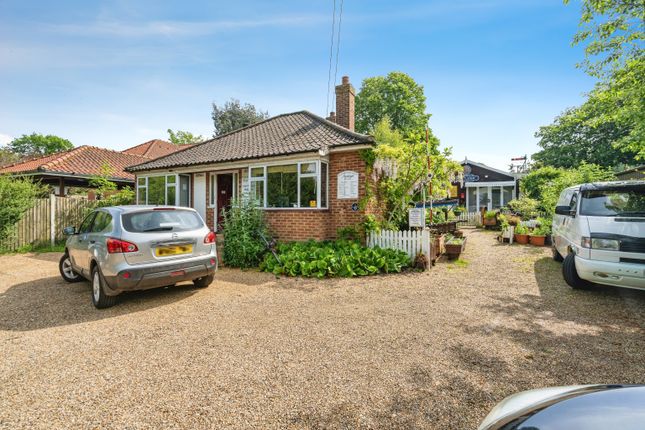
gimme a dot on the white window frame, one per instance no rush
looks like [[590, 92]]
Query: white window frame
[[167, 185], [298, 164]]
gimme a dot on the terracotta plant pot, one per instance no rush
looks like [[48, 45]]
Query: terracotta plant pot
[[537, 240], [490, 221], [522, 239]]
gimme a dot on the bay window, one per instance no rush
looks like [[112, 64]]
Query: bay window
[[295, 185]]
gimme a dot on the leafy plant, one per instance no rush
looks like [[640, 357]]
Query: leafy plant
[[521, 229], [490, 214], [541, 230], [333, 258], [243, 225], [526, 207], [371, 224], [17, 195], [349, 232]]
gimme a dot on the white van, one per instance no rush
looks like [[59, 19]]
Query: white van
[[599, 234]]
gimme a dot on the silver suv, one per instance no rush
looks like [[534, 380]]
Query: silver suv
[[126, 248]]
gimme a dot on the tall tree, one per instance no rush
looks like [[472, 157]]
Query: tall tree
[[35, 145], [396, 96], [7, 157], [183, 137], [613, 31], [233, 116]]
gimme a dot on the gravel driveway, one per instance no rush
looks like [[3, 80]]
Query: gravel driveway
[[418, 350]]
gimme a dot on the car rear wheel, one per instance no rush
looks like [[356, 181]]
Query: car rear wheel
[[556, 255], [204, 282], [99, 298], [66, 269], [570, 273]]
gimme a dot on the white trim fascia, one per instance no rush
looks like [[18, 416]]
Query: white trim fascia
[[346, 148], [489, 184]]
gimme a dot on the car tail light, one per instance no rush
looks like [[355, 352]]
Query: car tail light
[[210, 237], [117, 246]]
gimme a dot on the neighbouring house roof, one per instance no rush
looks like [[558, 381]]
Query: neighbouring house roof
[[84, 161], [637, 172], [289, 133], [153, 149], [484, 166]]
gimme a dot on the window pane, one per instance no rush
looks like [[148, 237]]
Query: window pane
[[257, 192], [142, 196], [308, 168], [161, 220], [157, 190], [472, 199], [183, 190], [282, 186], [508, 194], [308, 192], [102, 222], [171, 179], [171, 193], [496, 196], [323, 185], [257, 172], [87, 223], [141, 182]]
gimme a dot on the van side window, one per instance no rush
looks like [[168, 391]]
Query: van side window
[[573, 204], [565, 197]]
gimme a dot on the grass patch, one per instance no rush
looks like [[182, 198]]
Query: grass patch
[[459, 263], [36, 248]]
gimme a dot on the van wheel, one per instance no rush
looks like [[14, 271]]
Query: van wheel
[[99, 298], [556, 255], [571, 275], [204, 282], [67, 271]]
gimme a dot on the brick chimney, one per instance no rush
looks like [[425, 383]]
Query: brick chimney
[[332, 116], [345, 94]]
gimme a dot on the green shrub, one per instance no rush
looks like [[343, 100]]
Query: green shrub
[[243, 226], [17, 195], [350, 232], [371, 224], [333, 258], [521, 229], [526, 207], [490, 214]]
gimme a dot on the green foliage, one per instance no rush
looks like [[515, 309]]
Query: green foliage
[[350, 232], [371, 224], [541, 230], [401, 169], [395, 96], [546, 184], [107, 191], [490, 214], [243, 225], [328, 259], [183, 137], [7, 157], [35, 145], [613, 31], [524, 206], [520, 229], [233, 116], [17, 195]]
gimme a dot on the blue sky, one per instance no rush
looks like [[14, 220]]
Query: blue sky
[[118, 73]]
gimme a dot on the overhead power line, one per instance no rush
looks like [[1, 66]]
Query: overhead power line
[[331, 54], [340, 21]]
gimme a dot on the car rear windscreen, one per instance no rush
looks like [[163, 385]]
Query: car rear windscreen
[[161, 220]]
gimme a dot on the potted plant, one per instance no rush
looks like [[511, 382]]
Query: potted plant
[[507, 229], [521, 234], [490, 218], [455, 246], [538, 235]]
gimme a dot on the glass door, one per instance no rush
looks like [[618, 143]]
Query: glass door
[[484, 198], [496, 195]]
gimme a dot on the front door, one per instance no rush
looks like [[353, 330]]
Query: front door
[[224, 196]]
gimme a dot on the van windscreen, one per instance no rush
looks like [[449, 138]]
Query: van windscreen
[[628, 201], [161, 220]]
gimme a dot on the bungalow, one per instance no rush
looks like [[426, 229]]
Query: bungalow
[[76, 167], [306, 172], [485, 187]]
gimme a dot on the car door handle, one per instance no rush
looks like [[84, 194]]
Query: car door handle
[[92, 241]]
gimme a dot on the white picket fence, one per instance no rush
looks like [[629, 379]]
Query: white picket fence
[[469, 218], [409, 241]]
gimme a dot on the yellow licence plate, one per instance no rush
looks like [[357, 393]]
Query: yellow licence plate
[[164, 251]]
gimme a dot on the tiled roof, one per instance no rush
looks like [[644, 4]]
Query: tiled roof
[[153, 149], [290, 133], [81, 161]]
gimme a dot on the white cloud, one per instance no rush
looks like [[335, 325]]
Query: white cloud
[[5, 139]]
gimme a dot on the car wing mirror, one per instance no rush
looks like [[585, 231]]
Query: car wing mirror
[[69, 230], [564, 210]]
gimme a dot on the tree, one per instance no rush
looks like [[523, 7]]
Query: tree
[[108, 192], [399, 162], [183, 137], [396, 96], [613, 31], [17, 195], [36, 145], [233, 116], [7, 157]]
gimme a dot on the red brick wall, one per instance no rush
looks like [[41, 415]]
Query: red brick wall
[[298, 224]]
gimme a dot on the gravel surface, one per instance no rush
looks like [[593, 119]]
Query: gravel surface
[[417, 350]]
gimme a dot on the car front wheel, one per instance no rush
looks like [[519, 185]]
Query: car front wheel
[[66, 269], [99, 298], [570, 273]]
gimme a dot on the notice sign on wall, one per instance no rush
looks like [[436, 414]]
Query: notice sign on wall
[[348, 185], [415, 217]]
